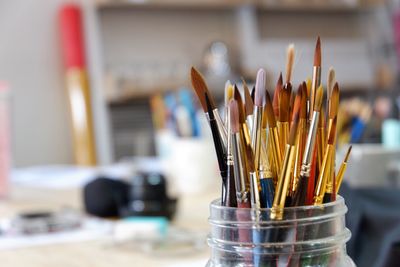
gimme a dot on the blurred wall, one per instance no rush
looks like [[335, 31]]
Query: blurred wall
[[30, 60]]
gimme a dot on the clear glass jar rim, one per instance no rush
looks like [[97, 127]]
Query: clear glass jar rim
[[216, 204]]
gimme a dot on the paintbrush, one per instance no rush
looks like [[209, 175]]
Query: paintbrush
[[278, 89], [316, 78], [284, 177], [230, 172], [322, 182], [283, 118], [242, 194], [200, 87], [333, 108], [245, 141], [257, 116], [249, 105], [273, 133], [300, 138], [342, 170], [219, 147], [252, 93], [299, 198]]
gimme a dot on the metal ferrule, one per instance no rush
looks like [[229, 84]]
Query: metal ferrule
[[254, 192], [309, 148], [283, 184], [239, 168], [339, 176], [221, 128], [249, 122], [256, 135], [264, 168]]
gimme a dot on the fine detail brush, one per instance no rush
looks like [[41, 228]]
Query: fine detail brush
[[242, 194], [284, 177], [273, 132], [219, 147], [278, 89], [316, 78], [257, 116], [200, 87], [230, 172], [330, 83], [299, 198], [320, 189], [289, 63], [342, 170]]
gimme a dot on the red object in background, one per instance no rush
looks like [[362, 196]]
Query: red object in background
[[72, 41]]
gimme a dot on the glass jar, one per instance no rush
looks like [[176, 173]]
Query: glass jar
[[312, 236]]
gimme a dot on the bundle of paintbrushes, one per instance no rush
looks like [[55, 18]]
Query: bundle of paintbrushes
[[276, 152]]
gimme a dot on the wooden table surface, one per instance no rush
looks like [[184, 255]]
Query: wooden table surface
[[96, 253]]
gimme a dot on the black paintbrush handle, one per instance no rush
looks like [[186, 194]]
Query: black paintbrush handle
[[300, 195], [230, 187]]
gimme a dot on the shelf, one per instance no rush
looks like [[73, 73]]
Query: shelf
[[264, 5]]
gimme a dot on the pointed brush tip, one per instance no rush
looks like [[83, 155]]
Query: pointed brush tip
[[348, 153]]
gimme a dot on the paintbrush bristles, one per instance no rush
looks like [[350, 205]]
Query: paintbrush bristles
[[239, 100], [233, 108], [331, 81], [303, 109], [228, 92], [346, 158], [284, 102], [319, 97], [248, 101], [289, 62], [260, 88], [200, 87], [293, 129], [317, 55], [298, 102], [269, 110], [278, 89], [332, 133], [334, 102]]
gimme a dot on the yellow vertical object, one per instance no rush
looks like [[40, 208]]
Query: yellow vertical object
[[81, 117]]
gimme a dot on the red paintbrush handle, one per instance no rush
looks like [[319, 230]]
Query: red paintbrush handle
[[244, 204]]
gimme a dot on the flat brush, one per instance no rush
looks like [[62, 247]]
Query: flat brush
[[219, 148], [282, 187], [342, 170], [200, 87], [273, 132], [257, 116], [249, 105], [316, 78], [320, 189], [299, 198], [230, 175]]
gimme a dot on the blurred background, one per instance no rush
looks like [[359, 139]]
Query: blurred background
[[97, 116]]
